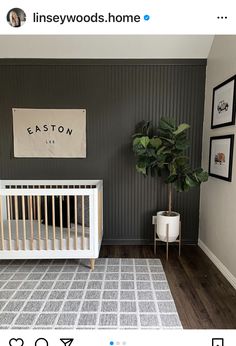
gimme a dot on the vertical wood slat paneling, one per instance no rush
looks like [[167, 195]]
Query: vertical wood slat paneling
[[116, 96], [11, 206]]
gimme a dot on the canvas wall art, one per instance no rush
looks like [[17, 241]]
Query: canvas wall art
[[49, 133]]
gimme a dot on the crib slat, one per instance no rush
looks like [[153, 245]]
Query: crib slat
[[28, 205], [31, 224], [76, 224], [46, 221], [83, 231], [34, 206], [53, 224], [23, 219], [68, 222], [17, 221], [39, 222], [9, 221], [2, 227], [61, 222]]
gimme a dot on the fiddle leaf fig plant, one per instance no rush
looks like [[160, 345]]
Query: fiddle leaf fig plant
[[162, 151]]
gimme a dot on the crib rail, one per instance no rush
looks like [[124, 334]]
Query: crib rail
[[50, 217]]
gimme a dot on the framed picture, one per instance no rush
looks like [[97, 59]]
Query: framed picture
[[221, 157], [223, 104]]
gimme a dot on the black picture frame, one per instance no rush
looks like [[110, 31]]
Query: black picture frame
[[224, 105], [219, 163]]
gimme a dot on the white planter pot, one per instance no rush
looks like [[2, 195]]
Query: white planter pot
[[172, 221]]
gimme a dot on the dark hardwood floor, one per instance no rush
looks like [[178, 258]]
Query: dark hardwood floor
[[203, 297]]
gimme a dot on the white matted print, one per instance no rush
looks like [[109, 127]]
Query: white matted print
[[49, 132], [223, 104], [221, 156]]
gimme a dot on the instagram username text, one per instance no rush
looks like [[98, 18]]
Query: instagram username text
[[93, 18]]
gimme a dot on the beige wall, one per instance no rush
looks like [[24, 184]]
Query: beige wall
[[90, 46], [218, 197]]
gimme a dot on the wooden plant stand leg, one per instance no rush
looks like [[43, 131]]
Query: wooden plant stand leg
[[92, 263], [167, 242]]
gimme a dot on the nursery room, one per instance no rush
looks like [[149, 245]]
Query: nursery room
[[117, 182]]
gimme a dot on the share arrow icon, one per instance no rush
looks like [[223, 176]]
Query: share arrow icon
[[67, 342]]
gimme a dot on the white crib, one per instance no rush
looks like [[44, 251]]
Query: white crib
[[51, 219]]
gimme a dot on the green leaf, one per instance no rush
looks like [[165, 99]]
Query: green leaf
[[141, 168], [181, 128], [166, 124], [143, 128], [144, 141], [181, 160], [159, 152], [186, 188], [171, 178], [156, 142], [146, 127], [178, 185], [138, 148], [150, 152], [139, 152], [168, 140], [182, 145], [136, 141], [202, 176], [172, 168], [190, 182]]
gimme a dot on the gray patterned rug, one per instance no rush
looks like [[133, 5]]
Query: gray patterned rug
[[65, 294]]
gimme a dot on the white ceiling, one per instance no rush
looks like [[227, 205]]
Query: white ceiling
[[152, 46]]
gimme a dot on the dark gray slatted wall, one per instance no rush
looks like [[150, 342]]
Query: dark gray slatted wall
[[116, 95]]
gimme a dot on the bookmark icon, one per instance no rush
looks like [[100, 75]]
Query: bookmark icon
[[67, 342]]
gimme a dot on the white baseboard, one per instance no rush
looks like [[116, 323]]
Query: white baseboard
[[222, 268]]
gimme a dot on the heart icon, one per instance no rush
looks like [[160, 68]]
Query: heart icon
[[16, 342]]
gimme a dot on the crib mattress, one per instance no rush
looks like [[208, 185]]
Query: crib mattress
[[43, 230]]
